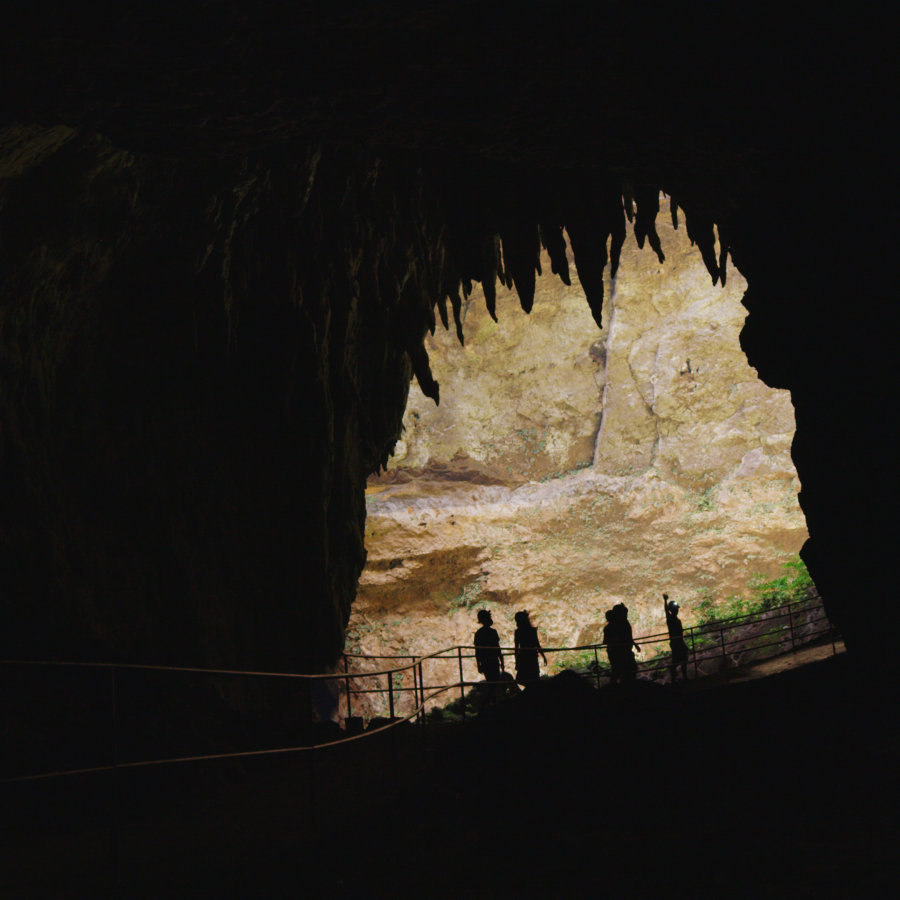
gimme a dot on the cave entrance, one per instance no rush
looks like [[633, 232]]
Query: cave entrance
[[568, 468]]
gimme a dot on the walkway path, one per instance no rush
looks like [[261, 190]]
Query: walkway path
[[791, 660]]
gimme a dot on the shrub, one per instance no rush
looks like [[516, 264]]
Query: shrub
[[796, 584], [577, 659]]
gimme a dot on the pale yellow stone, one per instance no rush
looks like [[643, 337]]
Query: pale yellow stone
[[690, 485]]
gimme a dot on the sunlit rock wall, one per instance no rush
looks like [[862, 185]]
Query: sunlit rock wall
[[569, 468]]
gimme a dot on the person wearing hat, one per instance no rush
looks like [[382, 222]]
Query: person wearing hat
[[488, 657], [676, 639]]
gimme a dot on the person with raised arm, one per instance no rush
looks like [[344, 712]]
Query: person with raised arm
[[676, 639]]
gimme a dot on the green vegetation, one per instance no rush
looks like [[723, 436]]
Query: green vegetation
[[532, 445], [709, 610], [705, 501], [354, 636], [577, 659], [795, 584], [471, 594]]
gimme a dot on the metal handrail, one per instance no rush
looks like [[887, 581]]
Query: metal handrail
[[655, 638], [419, 689], [116, 665], [232, 755], [646, 639], [785, 610]]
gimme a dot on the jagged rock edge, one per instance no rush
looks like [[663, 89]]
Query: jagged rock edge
[[511, 253]]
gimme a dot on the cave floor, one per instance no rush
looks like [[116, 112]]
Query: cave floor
[[777, 786]]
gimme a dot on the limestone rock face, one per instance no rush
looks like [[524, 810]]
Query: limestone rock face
[[568, 468], [519, 401]]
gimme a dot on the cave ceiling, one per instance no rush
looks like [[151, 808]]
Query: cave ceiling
[[532, 116], [689, 100], [519, 120], [363, 165]]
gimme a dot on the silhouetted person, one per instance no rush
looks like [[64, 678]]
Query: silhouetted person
[[488, 657], [676, 639], [619, 640], [528, 645]]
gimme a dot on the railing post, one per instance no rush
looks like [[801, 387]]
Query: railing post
[[390, 679], [462, 686], [597, 667], [694, 652], [422, 690], [791, 620], [724, 654], [347, 682], [420, 702]]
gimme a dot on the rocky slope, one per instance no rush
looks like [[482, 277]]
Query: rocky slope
[[569, 468]]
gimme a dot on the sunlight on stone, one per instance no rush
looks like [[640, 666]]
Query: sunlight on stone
[[568, 468]]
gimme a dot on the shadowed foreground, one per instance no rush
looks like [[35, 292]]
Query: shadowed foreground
[[784, 786]]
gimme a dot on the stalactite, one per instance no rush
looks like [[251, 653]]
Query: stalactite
[[591, 214], [645, 219], [700, 231], [616, 224], [450, 285], [442, 310], [723, 254], [422, 369], [587, 235], [502, 275], [555, 244], [628, 199], [427, 303], [489, 275], [521, 251], [467, 251]]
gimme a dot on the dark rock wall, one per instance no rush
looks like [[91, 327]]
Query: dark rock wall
[[201, 363], [816, 325]]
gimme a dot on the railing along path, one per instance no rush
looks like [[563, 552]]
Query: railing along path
[[710, 653]]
